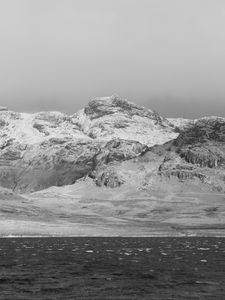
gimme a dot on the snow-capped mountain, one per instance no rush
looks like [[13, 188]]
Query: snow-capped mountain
[[113, 164], [103, 119], [51, 148]]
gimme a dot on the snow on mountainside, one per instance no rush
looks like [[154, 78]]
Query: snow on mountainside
[[102, 119], [51, 148], [30, 129], [111, 117]]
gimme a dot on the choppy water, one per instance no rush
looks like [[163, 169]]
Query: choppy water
[[112, 268]]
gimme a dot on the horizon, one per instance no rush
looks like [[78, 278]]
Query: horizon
[[167, 56]]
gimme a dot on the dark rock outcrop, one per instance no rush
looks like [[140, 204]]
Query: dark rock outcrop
[[204, 143], [174, 166], [197, 153], [119, 150], [108, 178], [204, 130], [109, 105]]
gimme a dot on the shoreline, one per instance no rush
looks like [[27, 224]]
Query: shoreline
[[112, 236]]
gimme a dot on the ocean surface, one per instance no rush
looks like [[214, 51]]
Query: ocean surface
[[112, 268]]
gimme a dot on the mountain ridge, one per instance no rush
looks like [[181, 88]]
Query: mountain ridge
[[51, 148], [57, 143]]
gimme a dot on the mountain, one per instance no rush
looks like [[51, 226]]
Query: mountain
[[50, 148], [112, 168], [111, 117]]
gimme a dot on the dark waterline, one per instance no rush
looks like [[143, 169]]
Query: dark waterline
[[112, 268]]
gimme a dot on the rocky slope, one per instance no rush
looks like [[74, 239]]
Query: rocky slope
[[50, 148], [197, 155], [111, 117]]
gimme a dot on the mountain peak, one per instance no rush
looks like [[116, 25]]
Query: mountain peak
[[112, 117], [103, 106]]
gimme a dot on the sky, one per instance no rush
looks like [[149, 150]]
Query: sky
[[167, 55]]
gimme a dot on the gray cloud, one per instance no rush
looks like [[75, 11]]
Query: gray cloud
[[167, 54]]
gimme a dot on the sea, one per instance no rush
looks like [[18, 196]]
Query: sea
[[112, 268]]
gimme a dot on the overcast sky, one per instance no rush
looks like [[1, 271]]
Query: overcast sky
[[168, 55]]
